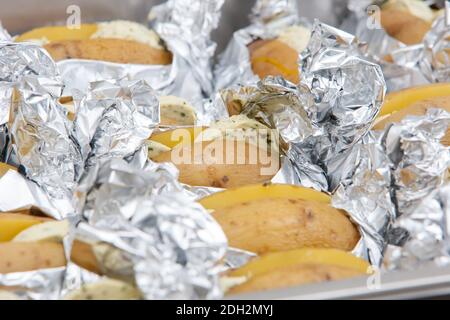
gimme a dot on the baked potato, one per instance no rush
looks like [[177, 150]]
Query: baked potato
[[294, 217]]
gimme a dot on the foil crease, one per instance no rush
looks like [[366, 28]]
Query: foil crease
[[114, 119], [396, 169], [326, 115], [427, 234], [38, 125], [173, 246], [268, 18], [411, 65]]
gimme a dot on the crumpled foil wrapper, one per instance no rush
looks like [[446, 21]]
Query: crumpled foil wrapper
[[411, 65], [395, 170], [45, 284], [268, 17], [322, 118], [185, 26], [427, 232], [114, 119], [4, 35], [173, 246], [37, 123]]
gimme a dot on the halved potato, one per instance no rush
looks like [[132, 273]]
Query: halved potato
[[296, 267], [221, 164], [415, 101], [263, 223]]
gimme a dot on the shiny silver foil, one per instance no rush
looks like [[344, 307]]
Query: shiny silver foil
[[173, 246], [185, 26], [45, 284], [412, 65], [427, 234], [268, 17], [339, 95], [114, 119], [395, 170]]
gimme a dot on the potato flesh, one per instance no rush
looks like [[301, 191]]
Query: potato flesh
[[11, 224], [268, 225], [171, 138], [272, 261], [398, 100], [4, 168], [261, 191], [59, 33]]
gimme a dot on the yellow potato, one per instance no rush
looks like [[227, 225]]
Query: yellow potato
[[11, 224], [171, 138], [28, 256], [295, 267], [404, 26], [59, 33], [294, 276], [261, 191], [415, 101], [277, 224], [205, 164], [4, 168]]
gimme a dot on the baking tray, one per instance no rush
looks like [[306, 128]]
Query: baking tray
[[21, 15]]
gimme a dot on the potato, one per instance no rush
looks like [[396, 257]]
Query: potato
[[28, 256], [58, 33], [268, 225], [105, 289], [415, 101], [204, 164], [171, 138], [295, 267], [274, 58], [293, 276], [418, 108], [256, 192], [112, 50], [11, 224], [83, 255], [4, 168]]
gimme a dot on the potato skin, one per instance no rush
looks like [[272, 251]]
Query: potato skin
[[419, 108], [269, 225], [28, 256], [112, 50], [264, 51], [293, 276], [404, 26], [213, 173]]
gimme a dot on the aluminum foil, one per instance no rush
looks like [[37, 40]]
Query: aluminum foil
[[175, 247], [322, 118], [396, 169], [114, 119], [412, 64], [185, 26], [428, 234], [45, 284], [268, 17]]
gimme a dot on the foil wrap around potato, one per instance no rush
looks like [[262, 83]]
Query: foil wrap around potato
[[185, 27], [267, 19], [170, 246], [411, 65], [339, 95], [396, 170]]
